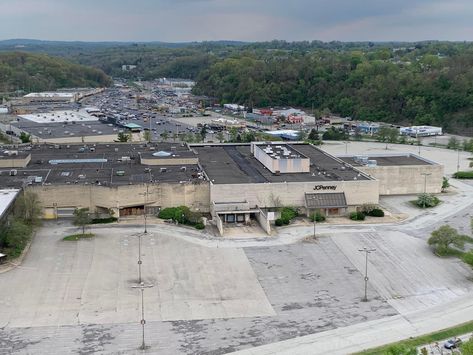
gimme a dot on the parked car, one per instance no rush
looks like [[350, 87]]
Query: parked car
[[452, 343]]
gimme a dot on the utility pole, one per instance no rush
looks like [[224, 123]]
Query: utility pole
[[142, 287], [366, 251]]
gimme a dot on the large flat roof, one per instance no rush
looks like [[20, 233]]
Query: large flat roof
[[7, 196], [235, 164], [388, 160], [101, 164]]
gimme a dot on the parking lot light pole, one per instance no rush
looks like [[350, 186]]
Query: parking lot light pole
[[366, 251], [142, 287], [458, 161], [313, 216], [425, 180]]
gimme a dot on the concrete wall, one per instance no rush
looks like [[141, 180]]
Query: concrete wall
[[292, 165], [195, 196], [104, 138], [263, 221], [293, 193], [15, 162], [402, 180]]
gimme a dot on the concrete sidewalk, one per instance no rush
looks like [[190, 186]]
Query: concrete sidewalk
[[372, 334]]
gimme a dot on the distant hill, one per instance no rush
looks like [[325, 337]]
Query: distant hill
[[40, 72]]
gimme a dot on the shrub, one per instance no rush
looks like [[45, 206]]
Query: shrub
[[103, 220], [368, 207], [288, 213], [357, 216], [181, 214], [427, 200], [167, 213], [278, 222], [377, 212], [318, 217], [468, 258], [463, 175], [199, 225], [445, 236]]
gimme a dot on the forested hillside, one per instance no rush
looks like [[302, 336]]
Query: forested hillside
[[38, 72], [405, 83], [382, 85]]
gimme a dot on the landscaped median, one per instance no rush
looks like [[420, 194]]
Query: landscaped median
[[409, 346], [74, 237]]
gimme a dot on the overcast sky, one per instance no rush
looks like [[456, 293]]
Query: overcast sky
[[246, 20]]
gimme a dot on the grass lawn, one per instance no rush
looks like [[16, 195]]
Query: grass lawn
[[74, 237], [422, 340]]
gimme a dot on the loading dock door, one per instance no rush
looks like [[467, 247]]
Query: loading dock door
[[65, 212]]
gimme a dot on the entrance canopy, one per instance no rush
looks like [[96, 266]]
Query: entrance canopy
[[325, 200]]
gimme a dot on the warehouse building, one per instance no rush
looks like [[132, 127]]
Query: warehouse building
[[233, 183]]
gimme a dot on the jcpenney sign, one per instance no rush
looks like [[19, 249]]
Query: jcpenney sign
[[324, 187]]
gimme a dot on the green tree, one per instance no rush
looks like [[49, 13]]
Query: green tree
[[334, 134], [453, 143], [467, 347], [388, 134], [25, 137], [164, 136], [82, 218], [124, 137], [233, 134], [220, 136], [442, 238], [203, 132], [445, 183], [147, 136], [28, 208], [313, 135]]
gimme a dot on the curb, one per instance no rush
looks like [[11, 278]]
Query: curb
[[13, 264]]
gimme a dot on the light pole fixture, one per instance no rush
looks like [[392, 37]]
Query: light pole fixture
[[140, 262], [142, 287], [425, 180], [458, 160], [145, 194], [367, 252]]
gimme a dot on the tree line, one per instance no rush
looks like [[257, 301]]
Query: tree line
[[27, 72]]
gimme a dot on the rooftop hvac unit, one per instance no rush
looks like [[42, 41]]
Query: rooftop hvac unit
[[13, 172], [38, 179], [163, 170], [372, 163], [183, 168]]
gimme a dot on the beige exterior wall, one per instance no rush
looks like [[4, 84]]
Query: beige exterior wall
[[293, 193], [135, 137], [17, 162], [169, 161], [195, 196], [403, 180], [293, 165]]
